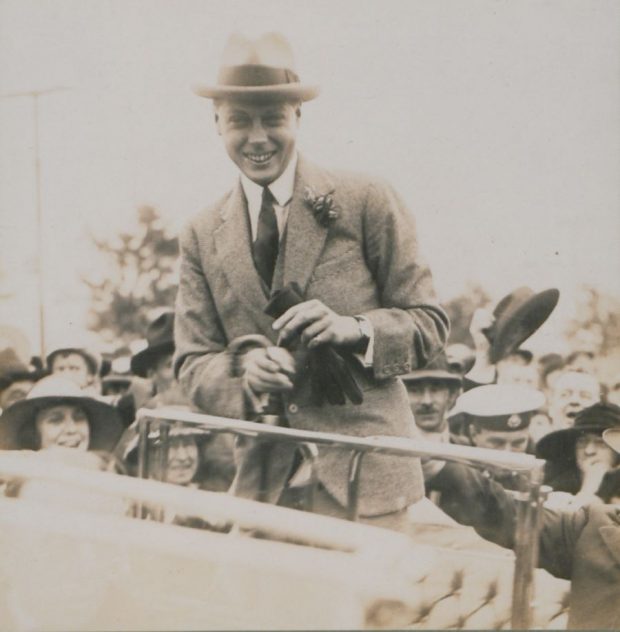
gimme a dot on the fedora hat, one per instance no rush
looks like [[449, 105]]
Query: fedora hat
[[257, 69], [160, 340], [437, 369], [103, 420], [596, 419], [12, 370], [517, 316]]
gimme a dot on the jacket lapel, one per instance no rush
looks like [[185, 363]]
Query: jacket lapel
[[234, 256], [305, 237]]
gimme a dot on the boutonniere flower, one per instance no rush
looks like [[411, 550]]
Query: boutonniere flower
[[323, 207]]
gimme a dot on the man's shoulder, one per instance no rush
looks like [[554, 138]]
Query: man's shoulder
[[209, 217]]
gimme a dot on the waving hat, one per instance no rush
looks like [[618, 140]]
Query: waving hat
[[103, 420], [517, 316], [259, 68], [160, 340]]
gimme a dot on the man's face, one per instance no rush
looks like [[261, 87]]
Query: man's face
[[430, 400], [15, 392], [509, 372], [511, 440], [571, 393], [162, 373], [259, 138], [74, 367], [592, 451], [63, 426]]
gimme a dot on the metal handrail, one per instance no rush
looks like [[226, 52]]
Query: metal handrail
[[529, 503]]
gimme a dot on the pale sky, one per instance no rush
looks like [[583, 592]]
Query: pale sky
[[497, 121]]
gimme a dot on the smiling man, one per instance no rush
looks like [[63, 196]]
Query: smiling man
[[349, 245]]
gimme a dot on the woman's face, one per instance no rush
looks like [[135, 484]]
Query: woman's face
[[183, 460], [64, 426], [591, 450]]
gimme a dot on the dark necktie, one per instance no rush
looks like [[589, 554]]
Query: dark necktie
[[265, 247]]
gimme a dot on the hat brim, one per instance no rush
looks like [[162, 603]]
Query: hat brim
[[293, 91], [143, 360], [561, 443], [104, 423], [130, 452], [525, 320], [443, 376], [611, 436]]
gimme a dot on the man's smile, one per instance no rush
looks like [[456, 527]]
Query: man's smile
[[261, 158]]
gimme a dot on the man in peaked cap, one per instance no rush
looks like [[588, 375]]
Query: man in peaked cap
[[347, 242], [498, 416]]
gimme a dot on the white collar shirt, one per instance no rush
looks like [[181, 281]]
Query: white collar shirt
[[282, 191]]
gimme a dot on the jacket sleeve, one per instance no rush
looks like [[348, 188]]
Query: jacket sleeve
[[475, 500], [410, 327], [202, 362]]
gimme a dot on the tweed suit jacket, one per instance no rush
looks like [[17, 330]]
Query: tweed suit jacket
[[364, 262]]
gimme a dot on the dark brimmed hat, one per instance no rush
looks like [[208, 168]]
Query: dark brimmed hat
[[499, 407], [103, 420], [517, 316], [258, 69], [595, 419], [437, 369], [12, 370], [160, 340]]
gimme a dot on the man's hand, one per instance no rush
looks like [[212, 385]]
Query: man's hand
[[481, 320], [269, 370], [318, 325], [483, 371]]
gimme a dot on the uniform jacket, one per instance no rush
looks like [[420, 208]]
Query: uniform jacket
[[582, 546], [364, 262]]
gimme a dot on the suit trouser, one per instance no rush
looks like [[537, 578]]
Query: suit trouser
[[266, 483], [263, 468]]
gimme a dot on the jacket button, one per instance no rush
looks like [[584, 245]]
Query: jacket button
[[293, 408]]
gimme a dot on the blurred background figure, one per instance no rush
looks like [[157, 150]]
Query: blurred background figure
[[16, 379], [613, 389], [56, 413], [518, 368], [570, 393], [76, 363], [578, 460]]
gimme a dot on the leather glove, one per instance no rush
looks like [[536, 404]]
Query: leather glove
[[331, 374]]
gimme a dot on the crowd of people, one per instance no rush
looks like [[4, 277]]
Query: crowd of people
[[554, 407]]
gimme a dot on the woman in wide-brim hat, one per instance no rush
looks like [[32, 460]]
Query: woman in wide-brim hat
[[572, 454], [196, 457], [57, 413]]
